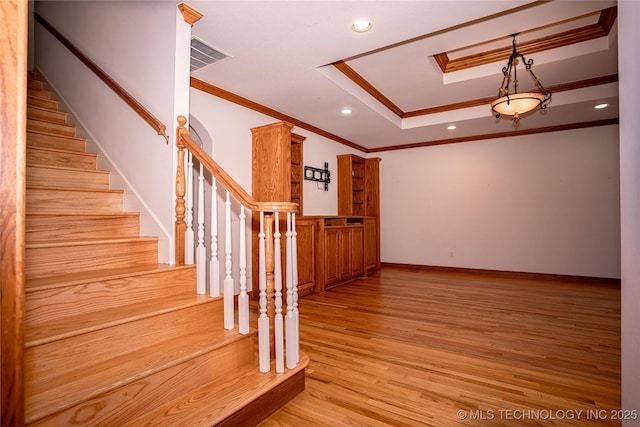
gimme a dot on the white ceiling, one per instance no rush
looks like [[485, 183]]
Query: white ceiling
[[281, 54]]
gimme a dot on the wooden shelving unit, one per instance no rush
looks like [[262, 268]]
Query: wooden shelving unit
[[297, 168], [359, 196], [351, 178]]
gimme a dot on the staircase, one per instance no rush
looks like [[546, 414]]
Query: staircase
[[113, 338]]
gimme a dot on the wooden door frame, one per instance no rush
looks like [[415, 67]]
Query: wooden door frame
[[13, 67]]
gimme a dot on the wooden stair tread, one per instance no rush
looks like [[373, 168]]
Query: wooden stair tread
[[50, 225], [51, 282], [86, 190], [39, 93], [68, 389], [40, 102], [81, 324], [57, 116], [35, 84], [39, 107], [40, 132], [44, 120], [36, 99], [57, 150], [69, 169], [55, 127], [97, 214], [84, 242], [70, 279], [217, 401]]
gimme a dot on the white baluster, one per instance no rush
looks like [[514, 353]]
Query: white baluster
[[243, 297], [289, 319], [296, 323], [201, 251], [277, 278], [214, 264], [189, 237], [263, 320], [228, 280]]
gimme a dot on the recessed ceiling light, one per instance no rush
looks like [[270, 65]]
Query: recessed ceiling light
[[361, 26], [346, 111], [451, 127], [601, 106]]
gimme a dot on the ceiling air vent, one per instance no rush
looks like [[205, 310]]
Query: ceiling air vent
[[202, 54]]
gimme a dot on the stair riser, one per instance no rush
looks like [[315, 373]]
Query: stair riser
[[54, 200], [49, 227], [52, 304], [46, 114], [56, 128], [43, 176], [43, 262], [35, 84], [75, 353], [39, 93], [126, 403], [36, 156], [57, 142], [42, 103]]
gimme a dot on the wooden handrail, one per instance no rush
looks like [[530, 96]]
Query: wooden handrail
[[230, 184], [156, 124]]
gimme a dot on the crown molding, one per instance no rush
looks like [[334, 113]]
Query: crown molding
[[190, 15], [471, 138], [565, 38], [247, 103]]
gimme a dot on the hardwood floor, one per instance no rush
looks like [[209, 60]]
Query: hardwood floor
[[413, 348]]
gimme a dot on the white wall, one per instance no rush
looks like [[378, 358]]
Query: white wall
[[135, 45], [629, 64], [545, 203]]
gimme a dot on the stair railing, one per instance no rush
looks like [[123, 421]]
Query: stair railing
[[277, 315], [156, 124]]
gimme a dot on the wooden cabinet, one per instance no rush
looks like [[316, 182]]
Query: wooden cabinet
[[331, 257], [359, 195], [276, 176], [331, 250], [340, 251], [357, 250], [306, 229], [276, 164], [371, 245]]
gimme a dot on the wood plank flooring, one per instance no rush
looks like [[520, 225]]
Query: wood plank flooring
[[414, 348]]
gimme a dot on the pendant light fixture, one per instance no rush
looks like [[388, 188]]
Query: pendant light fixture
[[515, 103]]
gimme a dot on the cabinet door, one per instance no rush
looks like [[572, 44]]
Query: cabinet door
[[370, 244], [344, 250], [331, 256], [357, 254], [306, 230]]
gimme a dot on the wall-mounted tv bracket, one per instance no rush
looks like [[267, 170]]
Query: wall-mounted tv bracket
[[319, 175]]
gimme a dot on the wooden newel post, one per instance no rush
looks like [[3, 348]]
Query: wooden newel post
[[180, 226]]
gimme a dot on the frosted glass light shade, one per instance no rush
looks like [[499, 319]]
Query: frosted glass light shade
[[517, 103]]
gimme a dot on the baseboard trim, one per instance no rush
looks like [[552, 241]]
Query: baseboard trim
[[506, 274]]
